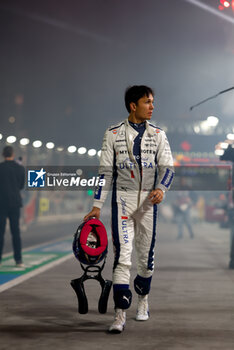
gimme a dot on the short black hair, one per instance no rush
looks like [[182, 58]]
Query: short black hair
[[135, 92], [8, 151]]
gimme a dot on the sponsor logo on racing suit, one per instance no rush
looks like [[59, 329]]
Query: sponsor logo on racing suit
[[127, 164], [124, 220]]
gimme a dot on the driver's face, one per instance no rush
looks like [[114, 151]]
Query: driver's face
[[144, 108]]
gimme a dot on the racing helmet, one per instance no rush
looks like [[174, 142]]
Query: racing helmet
[[90, 242]]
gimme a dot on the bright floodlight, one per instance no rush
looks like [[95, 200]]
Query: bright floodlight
[[92, 152], [24, 141], [11, 139], [50, 145], [230, 136], [99, 153], [219, 152], [71, 149], [37, 144], [82, 150], [224, 145], [0, 136], [212, 120]]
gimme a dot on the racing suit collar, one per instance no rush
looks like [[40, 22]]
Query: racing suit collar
[[149, 130]]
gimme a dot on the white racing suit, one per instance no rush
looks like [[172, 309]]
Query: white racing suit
[[133, 214]]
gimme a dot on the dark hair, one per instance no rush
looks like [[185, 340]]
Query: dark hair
[[134, 93], [7, 151]]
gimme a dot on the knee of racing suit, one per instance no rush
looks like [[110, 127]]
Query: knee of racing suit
[[142, 285], [122, 296]]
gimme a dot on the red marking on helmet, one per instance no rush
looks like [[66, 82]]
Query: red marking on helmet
[[132, 175], [124, 217]]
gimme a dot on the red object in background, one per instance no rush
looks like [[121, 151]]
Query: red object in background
[[186, 146], [225, 4], [214, 214], [30, 210]]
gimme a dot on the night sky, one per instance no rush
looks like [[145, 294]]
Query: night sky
[[64, 65]]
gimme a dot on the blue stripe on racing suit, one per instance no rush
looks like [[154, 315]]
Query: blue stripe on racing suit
[[98, 190], [167, 179], [151, 252], [114, 219]]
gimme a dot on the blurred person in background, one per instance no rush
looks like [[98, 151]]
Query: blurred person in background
[[182, 207], [231, 223], [201, 208], [12, 176]]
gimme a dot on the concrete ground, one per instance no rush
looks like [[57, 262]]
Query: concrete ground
[[191, 302]]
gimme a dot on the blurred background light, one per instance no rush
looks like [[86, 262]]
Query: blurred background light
[[60, 149], [196, 129], [11, 139], [212, 120], [11, 119], [82, 150], [24, 141], [92, 152], [50, 145], [230, 136], [71, 149], [37, 144], [224, 145], [219, 152]]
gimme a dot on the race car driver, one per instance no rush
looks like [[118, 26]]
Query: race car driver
[[136, 161]]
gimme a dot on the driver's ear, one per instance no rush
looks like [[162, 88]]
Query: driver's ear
[[133, 106]]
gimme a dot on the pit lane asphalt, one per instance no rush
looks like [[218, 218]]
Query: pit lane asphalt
[[191, 301]]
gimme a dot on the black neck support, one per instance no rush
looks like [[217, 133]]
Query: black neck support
[[91, 272]]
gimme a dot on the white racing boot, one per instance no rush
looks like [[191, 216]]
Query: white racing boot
[[142, 308], [119, 322]]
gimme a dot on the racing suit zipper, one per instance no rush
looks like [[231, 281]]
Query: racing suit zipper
[[139, 176], [130, 142], [139, 194], [140, 171]]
